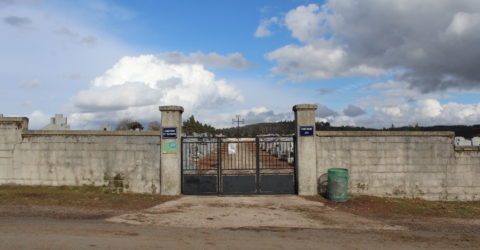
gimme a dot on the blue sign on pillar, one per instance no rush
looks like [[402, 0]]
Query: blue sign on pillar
[[170, 133], [306, 130]]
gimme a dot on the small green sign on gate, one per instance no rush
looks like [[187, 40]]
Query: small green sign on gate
[[169, 147]]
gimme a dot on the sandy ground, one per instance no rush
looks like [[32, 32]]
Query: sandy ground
[[41, 233], [243, 222], [249, 212]]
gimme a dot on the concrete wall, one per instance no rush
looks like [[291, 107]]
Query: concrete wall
[[382, 163], [122, 160], [401, 164], [171, 174], [11, 129], [463, 176], [305, 149]]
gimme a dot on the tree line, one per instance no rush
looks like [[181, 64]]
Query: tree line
[[191, 126]]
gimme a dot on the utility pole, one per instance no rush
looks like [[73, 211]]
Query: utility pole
[[238, 121]]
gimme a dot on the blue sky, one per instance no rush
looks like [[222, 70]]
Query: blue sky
[[368, 63]]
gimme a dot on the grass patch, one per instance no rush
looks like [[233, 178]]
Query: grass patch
[[371, 205], [78, 197]]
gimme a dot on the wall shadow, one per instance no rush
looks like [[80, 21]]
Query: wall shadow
[[322, 185]]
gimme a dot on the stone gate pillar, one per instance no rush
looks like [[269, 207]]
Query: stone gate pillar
[[305, 148], [170, 160]]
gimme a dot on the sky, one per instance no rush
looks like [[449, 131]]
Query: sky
[[370, 63]]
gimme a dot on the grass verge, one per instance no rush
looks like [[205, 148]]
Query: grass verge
[[73, 200], [388, 207]]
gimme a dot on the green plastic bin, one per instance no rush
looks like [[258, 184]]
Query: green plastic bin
[[337, 187]]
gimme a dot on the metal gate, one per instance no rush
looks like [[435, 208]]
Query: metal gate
[[216, 165]]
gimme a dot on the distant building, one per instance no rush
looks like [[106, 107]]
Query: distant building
[[57, 123], [205, 134], [476, 141], [106, 127], [460, 141], [1, 115]]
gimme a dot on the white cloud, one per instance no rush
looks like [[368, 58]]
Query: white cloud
[[429, 108], [250, 116], [37, 120], [17, 21], [135, 86], [393, 111], [254, 111], [29, 84], [353, 110], [426, 112], [463, 22], [394, 94], [54, 45], [342, 120], [305, 22], [388, 84], [74, 76], [430, 42], [117, 97], [263, 29], [395, 102], [323, 60], [108, 8], [232, 61], [324, 112]]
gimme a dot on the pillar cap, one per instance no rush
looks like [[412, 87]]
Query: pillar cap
[[305, 107], [22, 122], [171, 108], [13, 119]]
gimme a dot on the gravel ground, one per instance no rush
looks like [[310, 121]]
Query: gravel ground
[[233, 222], [249, 212]]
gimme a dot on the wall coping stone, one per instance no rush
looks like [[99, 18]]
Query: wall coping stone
[[304, 107], [171, 108], [13, 119], [385, 133], [467, 148], [89, 133]]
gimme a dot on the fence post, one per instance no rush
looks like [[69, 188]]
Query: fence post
[[170, 160], [305, 149], [257, 162]]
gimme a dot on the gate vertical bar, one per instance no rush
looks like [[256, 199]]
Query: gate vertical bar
[[295, 167], [181, 164], [257, 163], [219, 164]]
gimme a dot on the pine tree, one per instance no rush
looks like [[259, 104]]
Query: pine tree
[[191, 126]]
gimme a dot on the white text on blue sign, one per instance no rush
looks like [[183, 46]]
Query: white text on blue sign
[[169, 132], [306, 130]]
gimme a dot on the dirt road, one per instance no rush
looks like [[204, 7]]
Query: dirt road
[[28, 233], [267, 222], [289, 211]]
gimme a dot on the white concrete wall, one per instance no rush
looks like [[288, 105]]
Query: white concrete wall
[[10, 134], [396, 164], [401, 164], [463, 176], [476, 141], [170, 165], [305, 160], [460, 141], [123, 160]]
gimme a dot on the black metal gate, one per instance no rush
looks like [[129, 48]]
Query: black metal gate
[[216, 165]]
